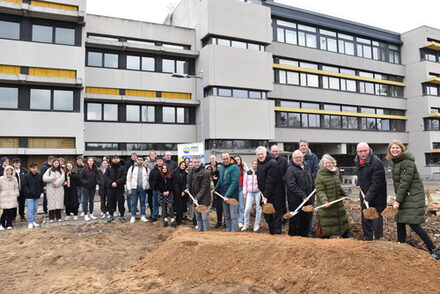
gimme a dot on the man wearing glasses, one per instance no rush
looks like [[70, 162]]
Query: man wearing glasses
[[371, 180]]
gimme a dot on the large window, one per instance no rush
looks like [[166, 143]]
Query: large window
[[431, 89], [46, 99], [222, 41], [101, 59], [40, 99], [51, 34], [63, 100], [174, 66], [236, 93], [227, 144], [102, 112], [9, 30], [178, 115], [9, 97], [140, 63]]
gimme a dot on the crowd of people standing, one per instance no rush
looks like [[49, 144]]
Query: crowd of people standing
[[164, 187]]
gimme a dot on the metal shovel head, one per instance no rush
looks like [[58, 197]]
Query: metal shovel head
[[389, 211], [232, 201], [287, 215], [202, 208], [308, 208], [370, 213], [268, 208]]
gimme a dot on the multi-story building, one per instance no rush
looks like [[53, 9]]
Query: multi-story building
[[231, 73]]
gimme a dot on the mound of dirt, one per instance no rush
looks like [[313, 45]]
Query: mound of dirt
[[290, 265]]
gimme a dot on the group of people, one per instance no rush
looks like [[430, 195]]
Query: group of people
[[177, 189]]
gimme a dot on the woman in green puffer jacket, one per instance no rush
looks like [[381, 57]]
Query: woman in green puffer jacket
[[410, 195], [332, 220]]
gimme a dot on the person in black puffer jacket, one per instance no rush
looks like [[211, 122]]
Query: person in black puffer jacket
[[180, 198], [88, 178], [115, 181], [32, 188], [271, 185]]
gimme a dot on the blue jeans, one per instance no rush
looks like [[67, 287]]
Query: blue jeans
[[88, 200], [135, 195], [32, 205], [202, 221], [155, 204], [241, 205], [231, 217], [250, 199], [79, 193]]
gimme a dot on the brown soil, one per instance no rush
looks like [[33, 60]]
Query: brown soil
[[75, 257]]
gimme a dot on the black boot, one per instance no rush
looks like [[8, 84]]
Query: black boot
[[218, 225], [165, 224], [174, 224], [435, 253]]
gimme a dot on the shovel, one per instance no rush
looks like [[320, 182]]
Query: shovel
[[231, 201], [199, 208], [309, 208], [291, 214], [370, 212], [267, 207]]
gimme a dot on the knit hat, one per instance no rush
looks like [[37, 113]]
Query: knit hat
[[3, 159]]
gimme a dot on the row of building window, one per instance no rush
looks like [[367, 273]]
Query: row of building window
[[335, 83], [123, 60], [222, 41], [37, 142], [38, 30], [306, 120], [130, 146], [36, 98], [431, 89], [225, 144], [138, 41], [429, 55], [236, 93], [312, 37], [139, 113]]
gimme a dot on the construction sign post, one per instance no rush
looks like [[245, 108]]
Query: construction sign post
[[190, 150]]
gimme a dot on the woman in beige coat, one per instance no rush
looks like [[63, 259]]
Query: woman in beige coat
[[8, 197], [54, 177]]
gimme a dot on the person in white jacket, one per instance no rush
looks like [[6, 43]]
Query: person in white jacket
[[252, 194], [8, 197], [137, 184], [54, 177]]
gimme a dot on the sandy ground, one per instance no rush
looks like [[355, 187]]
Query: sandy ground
[[96, 257]]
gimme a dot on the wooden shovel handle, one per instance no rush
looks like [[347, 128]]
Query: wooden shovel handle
[[304, 202], [193, 199], [363, 197], [330, 203], [221, 196]]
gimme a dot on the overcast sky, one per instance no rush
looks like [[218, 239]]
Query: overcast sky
[[398, 16]]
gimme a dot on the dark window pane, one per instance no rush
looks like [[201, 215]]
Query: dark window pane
[[40, 99], [9, 30], [42, 33], [294, 120], [63, 100], [94, 111], [8, 97], [65, 36]]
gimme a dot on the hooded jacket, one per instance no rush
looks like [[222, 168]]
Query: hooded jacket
[[8, 189], [199, 185], [228, 180]]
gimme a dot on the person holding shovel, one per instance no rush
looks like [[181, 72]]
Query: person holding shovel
[[372, 182], [332, 219], [199, 184], [410, 195]]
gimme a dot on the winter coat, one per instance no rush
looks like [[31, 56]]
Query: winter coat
[[172, 165], [179, 176], [79, 169], [371, 179], [43, 170], [88, 178], [116, 173], [132, 175], [100, 179], [199, 185], [165, 185], [150, 164], [227, 184], [129, 164], [270, 182], [55, 189], [409, 190], [332, 220], [282, 164], [70, 191], [20, 176], [312, 160], [32, 185], [8, 190], [299, 185], [154, 176], [250, 182]]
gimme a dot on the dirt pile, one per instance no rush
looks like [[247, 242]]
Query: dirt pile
[[291, 265]]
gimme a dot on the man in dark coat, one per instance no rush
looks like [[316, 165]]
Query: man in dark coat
[[299, 185], [199, 185], [271, 185], [371, 180], [282, 165], [172, 165], [310, 158], [115, 180]]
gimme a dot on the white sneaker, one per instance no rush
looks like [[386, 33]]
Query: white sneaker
[[82, 213], [30, 226], [60, 220], [144, 219], [240, 225], [9, 228], [92, 216], [1, 228], [86, 218], [256, 228], [51, 221], [75, 217], [132, 220], [103, 215], [35, 224], [67, 218], [244, 228]]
